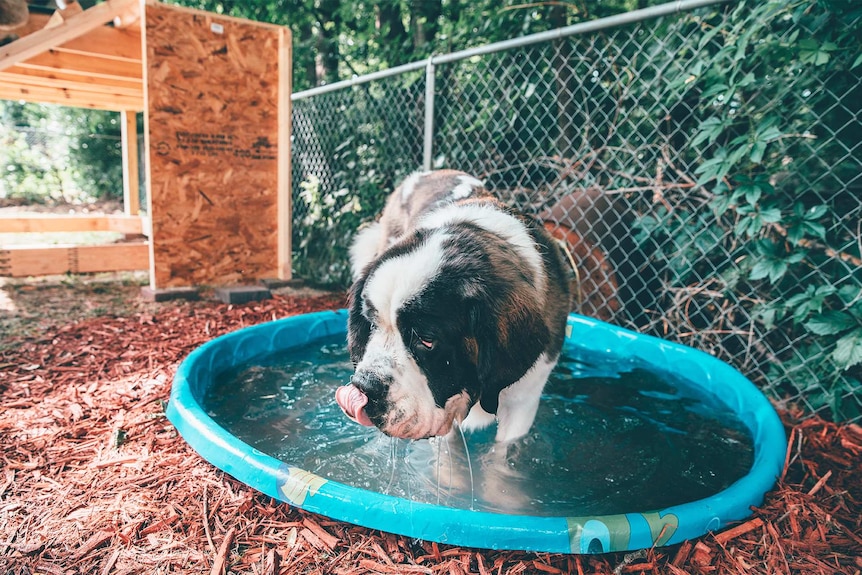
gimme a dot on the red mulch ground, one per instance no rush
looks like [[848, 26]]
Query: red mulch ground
[[94, 479]]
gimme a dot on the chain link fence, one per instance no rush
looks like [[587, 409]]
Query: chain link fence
[[704, 165]]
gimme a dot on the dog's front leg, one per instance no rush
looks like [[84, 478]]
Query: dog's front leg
[[520, 401]]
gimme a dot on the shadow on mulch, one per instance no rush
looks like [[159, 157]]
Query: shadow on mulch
[[95, 480]]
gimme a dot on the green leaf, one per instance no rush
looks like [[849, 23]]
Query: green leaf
[[746, 81], [752, 192], [811, 300], [848, 349], [709, 131], [645, 226], [768, 314], [736, 155], [714, 90], [757, 151], [747, 226], [714, 168], [830, 323], [720, 204], [795, 234], [769, 134], [810, 52], [768, 268], [815, 229], [816, 212], [857, 61], [770, 215]]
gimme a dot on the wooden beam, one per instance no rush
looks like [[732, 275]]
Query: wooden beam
[[78, 25], [41, 223], [63, 80], [64, 11], [107, 42], [97, 100], [32, 261], [131, 193], [284, 218], [86, 64]]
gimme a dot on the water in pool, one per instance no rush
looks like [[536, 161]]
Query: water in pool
[[608, 438]]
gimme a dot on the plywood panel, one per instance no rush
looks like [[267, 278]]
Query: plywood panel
[[212, 139]]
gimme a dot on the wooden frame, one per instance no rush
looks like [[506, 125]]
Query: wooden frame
[[73, 58], [56, 65]]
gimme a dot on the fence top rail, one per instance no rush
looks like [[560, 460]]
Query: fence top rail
[[556, 34]]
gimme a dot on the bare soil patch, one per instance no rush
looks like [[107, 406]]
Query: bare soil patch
[[30, 306]]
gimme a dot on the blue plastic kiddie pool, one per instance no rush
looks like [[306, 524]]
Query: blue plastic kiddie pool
[[482, 529]]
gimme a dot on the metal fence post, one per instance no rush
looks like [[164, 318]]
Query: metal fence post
[[428, 143]]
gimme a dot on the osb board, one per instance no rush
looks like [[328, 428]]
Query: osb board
[[215, 88]]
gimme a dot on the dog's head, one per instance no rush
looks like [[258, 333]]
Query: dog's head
[[439, 321]]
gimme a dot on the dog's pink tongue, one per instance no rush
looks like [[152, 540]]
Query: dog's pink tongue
[[352, 403]]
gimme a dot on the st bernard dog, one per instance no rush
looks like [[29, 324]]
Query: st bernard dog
[[457, 312]]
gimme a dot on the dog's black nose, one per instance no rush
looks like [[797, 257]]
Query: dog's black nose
[[370, 384]]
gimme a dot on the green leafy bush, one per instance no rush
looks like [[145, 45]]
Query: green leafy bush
[[780, 97]]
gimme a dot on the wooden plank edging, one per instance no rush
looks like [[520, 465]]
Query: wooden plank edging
[[52, 260]]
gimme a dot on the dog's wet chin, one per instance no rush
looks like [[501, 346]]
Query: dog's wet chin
[[422, 424]]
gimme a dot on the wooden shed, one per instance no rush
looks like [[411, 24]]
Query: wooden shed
[[215, 97]]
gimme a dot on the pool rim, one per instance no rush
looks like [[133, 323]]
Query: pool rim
[[480, 529]]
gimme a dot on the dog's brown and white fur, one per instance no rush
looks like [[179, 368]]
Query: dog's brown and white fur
[[457, 311]]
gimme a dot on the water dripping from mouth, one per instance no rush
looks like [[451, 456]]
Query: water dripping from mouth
[[393, 463], [438, 446], [469, 465]]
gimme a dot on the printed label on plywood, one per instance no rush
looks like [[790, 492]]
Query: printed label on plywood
[[217, 144]]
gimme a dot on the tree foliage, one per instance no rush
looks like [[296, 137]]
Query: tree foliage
[[54, 153], [336, 39]]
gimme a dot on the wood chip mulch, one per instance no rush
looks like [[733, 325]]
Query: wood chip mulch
[[94, 479]]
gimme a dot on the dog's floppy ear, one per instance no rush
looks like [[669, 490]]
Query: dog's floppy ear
[[358, 327], [509, 340]]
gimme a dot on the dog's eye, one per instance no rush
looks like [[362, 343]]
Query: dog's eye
[[425, 342]]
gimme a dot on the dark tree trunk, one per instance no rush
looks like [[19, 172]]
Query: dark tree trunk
[[306, 35], [424, 21], [393, 34], [567, 125], [327, 44]]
